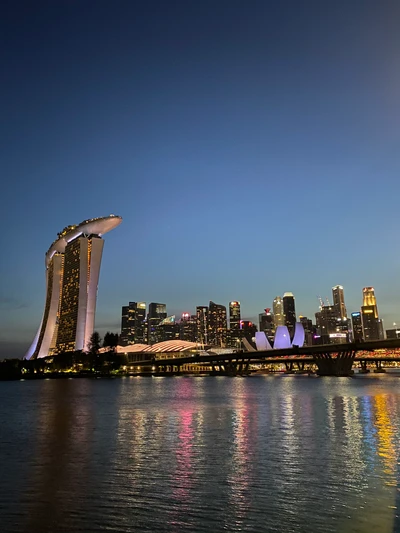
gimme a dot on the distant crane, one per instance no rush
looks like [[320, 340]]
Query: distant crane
[[327, 301], [321, 302]]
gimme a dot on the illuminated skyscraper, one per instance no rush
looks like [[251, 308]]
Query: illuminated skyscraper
[[157, 313], [217, 324], [202, 324], [277, 309], [133, 324], [72, 273], [372, 327], [289, 311], [338, 301], [188, 327], [369, 296], [234, 334]]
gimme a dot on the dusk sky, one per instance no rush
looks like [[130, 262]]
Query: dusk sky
[[251, 148]]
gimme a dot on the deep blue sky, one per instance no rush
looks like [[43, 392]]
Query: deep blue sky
[[251, 147]]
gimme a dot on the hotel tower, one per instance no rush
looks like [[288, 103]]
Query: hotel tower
[[72, 274]]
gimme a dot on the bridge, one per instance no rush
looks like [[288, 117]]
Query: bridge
[[330, 359]]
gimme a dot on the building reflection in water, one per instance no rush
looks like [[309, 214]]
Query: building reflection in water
[[62, 453], [241, 478]]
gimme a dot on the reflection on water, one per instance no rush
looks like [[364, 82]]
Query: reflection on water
[[287, 454]]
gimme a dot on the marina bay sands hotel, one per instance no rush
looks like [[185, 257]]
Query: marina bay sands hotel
[[72, 274]]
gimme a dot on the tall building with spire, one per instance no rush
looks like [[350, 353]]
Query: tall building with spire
[[277, 310], [72, 273]]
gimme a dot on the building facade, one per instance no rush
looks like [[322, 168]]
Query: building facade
[[289, 310], [338, 301], [277, 309], [157, 313], [217, 325], [202, 324], [133, 324], [72, 274], [372, 326], [233, 335]]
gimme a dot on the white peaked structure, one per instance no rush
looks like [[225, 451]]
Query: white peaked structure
[[282, 338], [72, 275]]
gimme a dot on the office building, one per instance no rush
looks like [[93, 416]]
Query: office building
[[266, 323], [372, 328], [289, 310], [202, 324], [157, 313], [338, 301], [308, 330], [331, 328], [357, 327], [233, 334], [217, 325], [277, 309], [133, 324], [188, 327], [72, 273], [166, 330], [393, 333]]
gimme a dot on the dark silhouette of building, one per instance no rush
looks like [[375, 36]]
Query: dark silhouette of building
[[357, 327], [289, 310], [338, 301]]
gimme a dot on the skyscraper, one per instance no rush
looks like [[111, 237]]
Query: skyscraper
[[72, 273], [233, 338], [188, 327], [289, 311], [338, 301], [277, 309], [133, 323], [157, 313], [217, 324], [202, 324], [372, 329], [356, 320]]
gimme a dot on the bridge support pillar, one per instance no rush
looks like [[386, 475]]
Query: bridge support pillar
[[339, 365]]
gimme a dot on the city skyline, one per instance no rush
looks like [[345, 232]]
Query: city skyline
[[251, 150]]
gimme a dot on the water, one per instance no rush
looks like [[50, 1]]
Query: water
[[259, 454]]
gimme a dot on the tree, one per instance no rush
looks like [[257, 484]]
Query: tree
[[110, 340], [94, 343]]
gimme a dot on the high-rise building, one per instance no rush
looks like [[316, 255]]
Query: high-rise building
[[308, 330], [289, 311], [133, 322], [157, 313], [188, 327], [217, 324], [234, 315], [372, 329], [248, 330], [393, 333], [357, 327], [338, 301], [233, 335], [202, 324], [166, 330], [369, 296], [72, 274], [331, 328], [277, 309], [266, 323]]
